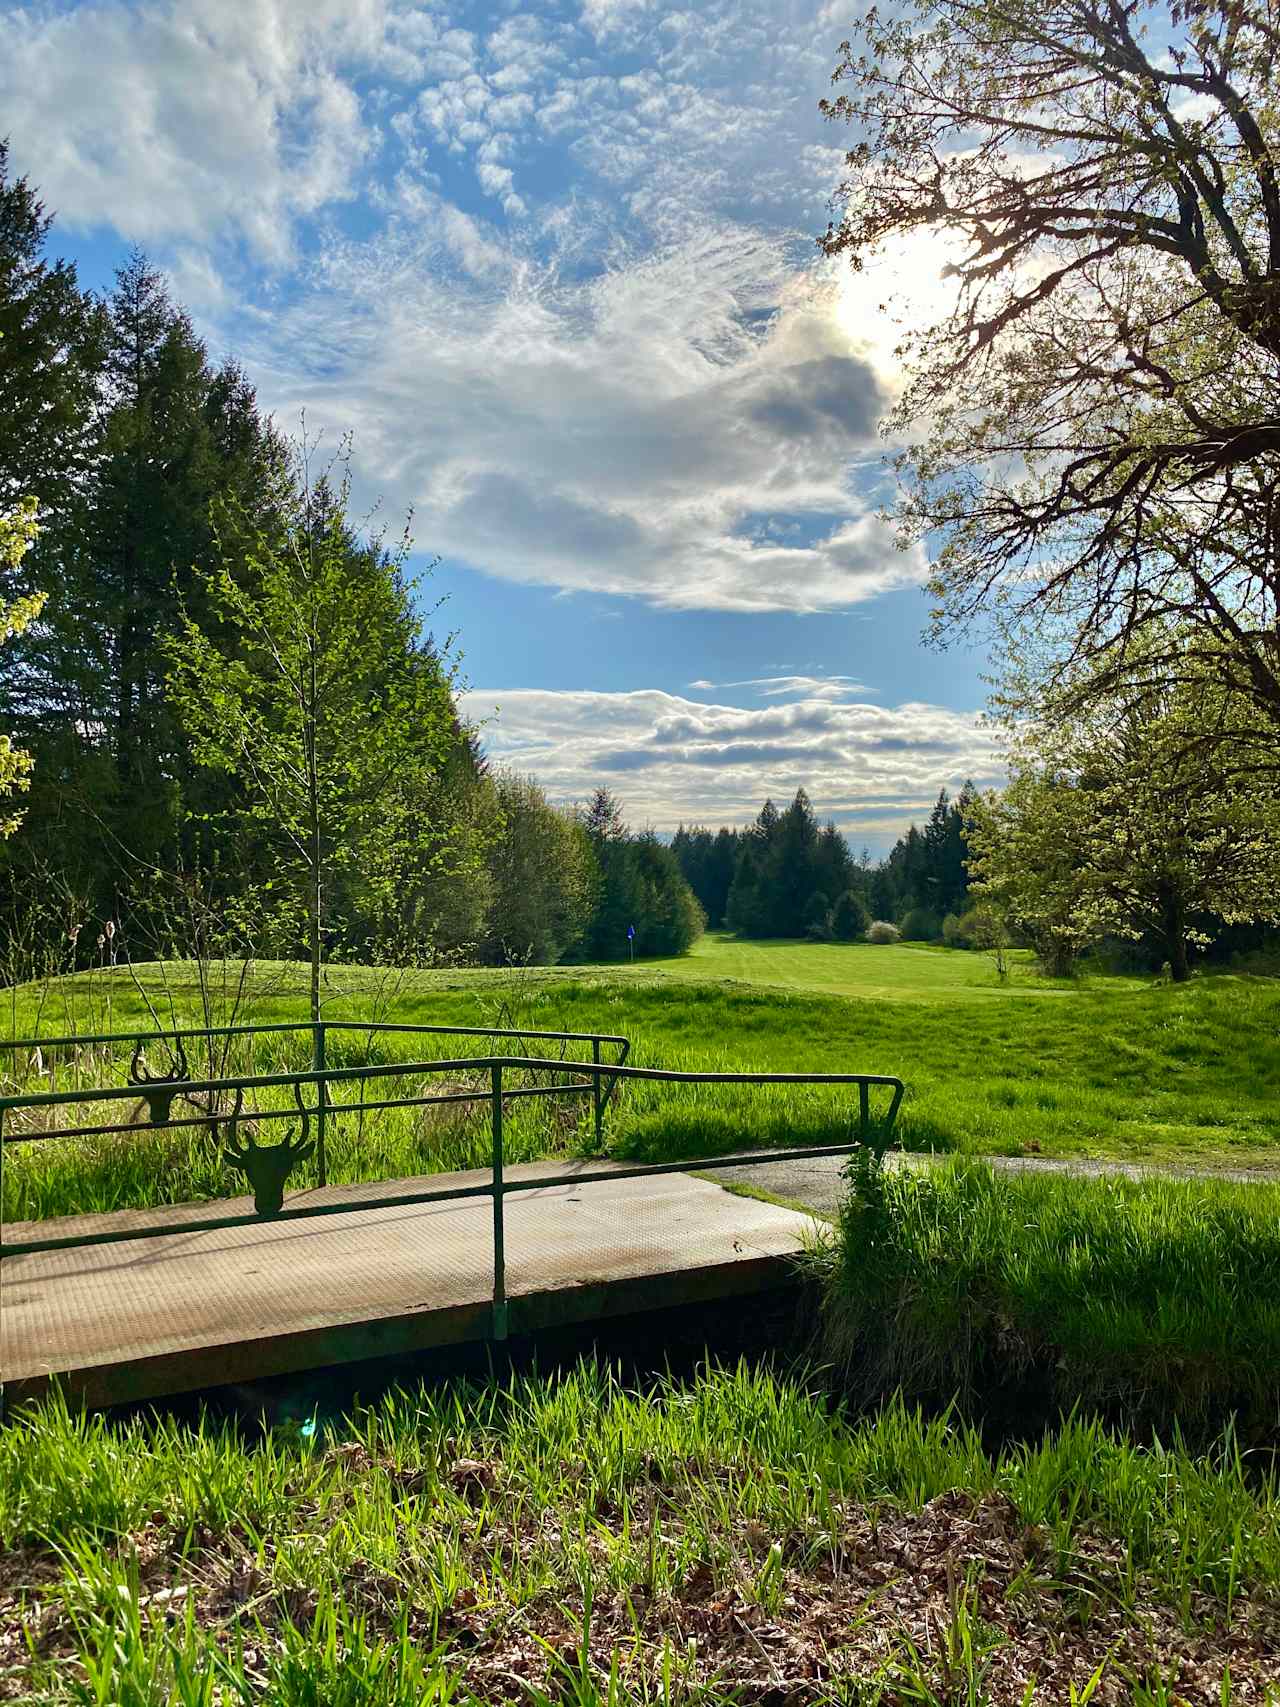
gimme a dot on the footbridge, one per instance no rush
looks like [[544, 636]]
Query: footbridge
[[292, 1272]]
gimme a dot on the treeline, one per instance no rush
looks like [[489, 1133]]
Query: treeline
[[1124, 848], [225, 714], [787, 876]]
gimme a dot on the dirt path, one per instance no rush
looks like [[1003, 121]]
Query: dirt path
[[817, 1183]]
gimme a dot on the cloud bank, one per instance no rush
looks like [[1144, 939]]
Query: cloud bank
[[873, 769]]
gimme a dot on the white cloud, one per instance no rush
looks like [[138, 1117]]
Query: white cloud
[[618, 433], [872, 768], [805, 687], [194, 119], [629, 389]]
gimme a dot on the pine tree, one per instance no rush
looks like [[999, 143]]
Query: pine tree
[[723, 859], [52, 361], [746, 910], [790, 872], [114, 773], [849, 917], [603, 819]]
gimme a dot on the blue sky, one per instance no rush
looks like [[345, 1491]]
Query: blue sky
[[554, 267]]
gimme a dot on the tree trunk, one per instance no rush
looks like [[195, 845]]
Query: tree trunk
[[1175, 936], [1179, 966], [313, 812]]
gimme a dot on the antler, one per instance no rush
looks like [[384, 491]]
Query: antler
[[299, 1151], [267, 1166], [141, 1074], [229, 1142], [159, 1089]]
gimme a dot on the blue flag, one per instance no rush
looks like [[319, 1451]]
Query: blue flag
[[631, 933]]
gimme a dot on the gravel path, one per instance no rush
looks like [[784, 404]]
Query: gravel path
[[817, 1184]]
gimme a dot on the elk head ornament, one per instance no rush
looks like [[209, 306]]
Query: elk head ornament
[[267, 1166]]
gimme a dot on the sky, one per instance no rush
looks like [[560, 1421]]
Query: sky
[[554, 268]]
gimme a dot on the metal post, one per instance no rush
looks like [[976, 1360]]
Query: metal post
[[864, 1112], [3, 1411], [499, 1242], [318, 1065], [595, 1093]]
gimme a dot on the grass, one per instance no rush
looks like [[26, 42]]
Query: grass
[[731, 1539], [899, 972], [1111, 1068], [1156, 1301], [578, 1540]]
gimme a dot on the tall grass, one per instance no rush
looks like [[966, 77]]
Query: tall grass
[[584, 1532], [1155, 1301]]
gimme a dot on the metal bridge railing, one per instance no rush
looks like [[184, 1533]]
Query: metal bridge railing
[[267, 1168], [161, 1090]]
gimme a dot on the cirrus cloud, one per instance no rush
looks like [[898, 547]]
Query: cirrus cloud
[[616, 433]]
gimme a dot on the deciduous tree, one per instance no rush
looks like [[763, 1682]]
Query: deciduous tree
[[1094, 430], [1114, 824], [311, 684]]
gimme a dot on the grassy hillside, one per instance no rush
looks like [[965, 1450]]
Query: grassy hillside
[[1109, 1067]]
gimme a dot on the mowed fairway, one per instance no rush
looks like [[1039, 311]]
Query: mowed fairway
[[903, 972]]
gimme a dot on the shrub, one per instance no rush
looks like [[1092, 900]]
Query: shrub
[[882, 931], [849, 917], [980, 927], [920, 925]]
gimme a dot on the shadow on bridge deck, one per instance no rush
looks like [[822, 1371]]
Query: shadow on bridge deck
[[149, 1318]]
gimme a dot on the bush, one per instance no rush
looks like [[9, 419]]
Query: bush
[[882, 931], [920, 925], [849, 917], [981, 927]]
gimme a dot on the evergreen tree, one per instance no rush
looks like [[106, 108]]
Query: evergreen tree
[[849, 917], [52, 362], [835, 871], [817, 917], [114, 772], [707, 863], [721, 863], [790, 871], [746, 911], [603, 820], [669, 918]]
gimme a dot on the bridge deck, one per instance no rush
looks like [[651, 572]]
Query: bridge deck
[[144, 1318]]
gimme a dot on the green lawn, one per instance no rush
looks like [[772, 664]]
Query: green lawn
[[1110, 1067]]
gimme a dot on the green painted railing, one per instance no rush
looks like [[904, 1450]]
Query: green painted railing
[[168, 1088], [267, 1167]]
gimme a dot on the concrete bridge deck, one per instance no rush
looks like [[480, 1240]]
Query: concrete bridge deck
[[150, 1317]]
